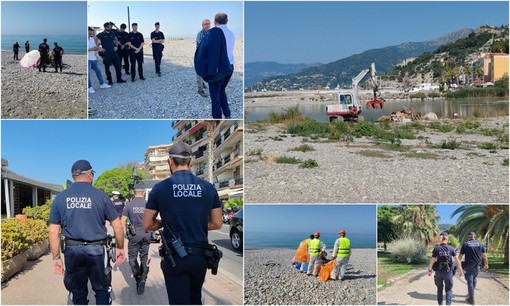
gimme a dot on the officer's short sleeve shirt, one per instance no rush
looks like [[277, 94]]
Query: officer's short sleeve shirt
[[81, 211], [122, 37], [184, 202], [107, 40], [134, 210], [136, 39], [444, 251], [473, 250], [157, 35]]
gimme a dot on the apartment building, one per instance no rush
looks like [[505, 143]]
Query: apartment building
[[224, 148], [156, 162], [495, 66]]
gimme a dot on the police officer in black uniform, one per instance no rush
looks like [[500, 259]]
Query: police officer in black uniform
[[27, 46], [118, 203], [58, 51], [81, 211], [157, 38], [189, 206], [475, 253], [122, 47], [139, 239], [443, 254], [135, 43], [43, 52], [15, 49], [109, 47]]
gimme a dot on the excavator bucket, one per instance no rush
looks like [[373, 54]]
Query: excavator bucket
[[375, 103]]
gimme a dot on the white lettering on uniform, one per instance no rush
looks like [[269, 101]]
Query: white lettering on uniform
[[187, 191], [138, 210], [79, 202]]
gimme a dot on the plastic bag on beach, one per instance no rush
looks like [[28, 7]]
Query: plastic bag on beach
[[302, 252], [325, 272]]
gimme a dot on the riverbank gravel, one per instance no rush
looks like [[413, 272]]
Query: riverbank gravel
[[173, 95], [270, 279], [364, 172], [30, 94]]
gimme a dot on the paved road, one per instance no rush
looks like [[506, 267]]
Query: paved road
[[418, 288], [38, 285]]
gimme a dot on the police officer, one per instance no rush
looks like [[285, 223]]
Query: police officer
[[43, 52], [81, 211], [139, 239], [189, 206], [27, 46], [342, 252], [157, 38], [135, 43], [443, 254], [475, 252], [108, 48], [58, 51], [118, 203], [15, 49], [122, 47], [315, 249]]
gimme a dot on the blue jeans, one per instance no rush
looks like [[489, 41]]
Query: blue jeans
[[444, 279], [94, 65], [471, 275], [219, 98]]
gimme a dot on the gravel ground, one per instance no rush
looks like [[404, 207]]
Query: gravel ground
[[30, 94], [173, 95], [270, 279], [343, 175]]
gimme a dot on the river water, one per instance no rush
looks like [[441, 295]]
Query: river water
[[466, 108]]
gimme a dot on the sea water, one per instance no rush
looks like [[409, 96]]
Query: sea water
[[264, 240], [72, 43]]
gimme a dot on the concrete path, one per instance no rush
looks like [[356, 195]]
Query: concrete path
[[418, 288], [38, 285]]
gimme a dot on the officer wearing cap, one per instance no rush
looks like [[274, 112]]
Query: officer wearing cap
[[108, 45], [81, 211], [342, 253], [135, 43], [474, 252], [139, 239], [444, 254], [189, 207], [122, 47], [118, 203], [157, 38]]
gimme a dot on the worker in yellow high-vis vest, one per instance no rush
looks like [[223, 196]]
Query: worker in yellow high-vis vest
[[315, 248], [342, 253]]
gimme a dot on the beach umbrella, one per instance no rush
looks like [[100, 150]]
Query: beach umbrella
[[30, 60]]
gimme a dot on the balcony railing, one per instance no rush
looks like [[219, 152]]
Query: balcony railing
[[229, 182]]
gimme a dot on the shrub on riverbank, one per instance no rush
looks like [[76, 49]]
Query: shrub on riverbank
[[408, 250], [18, 235]]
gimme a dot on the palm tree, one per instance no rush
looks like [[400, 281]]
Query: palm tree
[[489, 222], [417, 221]]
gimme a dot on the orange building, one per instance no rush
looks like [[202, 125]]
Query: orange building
[[495, 66]]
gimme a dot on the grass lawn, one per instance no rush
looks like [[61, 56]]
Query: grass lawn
[[387, 269], [497, 267]]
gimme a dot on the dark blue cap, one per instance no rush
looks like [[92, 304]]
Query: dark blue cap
[[80, 166], [471, 234], [444, 234]]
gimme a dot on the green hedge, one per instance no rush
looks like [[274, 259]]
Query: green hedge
[[18, 235], [41, 212]]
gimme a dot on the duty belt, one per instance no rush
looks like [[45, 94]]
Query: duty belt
[[72, 242], [196, 251]]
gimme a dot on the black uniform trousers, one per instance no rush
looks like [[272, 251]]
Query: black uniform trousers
[[136, 58], [58, 62], [43, 61], [139, 245], [83, 263], [16, 55], [184, 281], [157, 54], [123, 54], [112, 58]]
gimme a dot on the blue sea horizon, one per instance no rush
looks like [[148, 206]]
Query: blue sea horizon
[[271, 240], [72, 43]]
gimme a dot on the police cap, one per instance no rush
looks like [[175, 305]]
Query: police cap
[[139, 187], [471, 234], [80, 166], [115, 192], [444, 234], [177, 149]]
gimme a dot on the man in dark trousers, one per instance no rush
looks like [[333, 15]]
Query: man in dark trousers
[[43, 52], [157, 38], [58, 52], [139, 239], [475, 253], [15, 49], [189, 207], [135, 43], [27, 47], [108, 43], [79, 214], [122, 47]]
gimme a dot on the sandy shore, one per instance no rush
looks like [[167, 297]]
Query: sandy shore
[[173, 95], [270, 279], [30, 94], [363, 171]]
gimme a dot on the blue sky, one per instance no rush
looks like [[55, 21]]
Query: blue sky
[[310, 32], [359, 219], [35, 17], [181, 19], [46, 149]]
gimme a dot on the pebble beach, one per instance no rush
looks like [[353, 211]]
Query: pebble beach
[[173, 95], [270, 279], [30, 94]]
